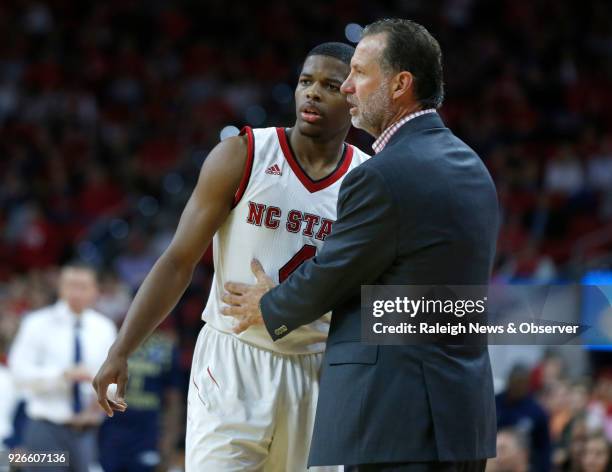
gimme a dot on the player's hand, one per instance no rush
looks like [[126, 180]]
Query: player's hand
[[243, 299], [113, 371]]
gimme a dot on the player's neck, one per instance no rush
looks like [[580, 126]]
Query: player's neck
[[317, 157]]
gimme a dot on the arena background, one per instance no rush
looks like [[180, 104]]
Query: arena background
[[107, 110]]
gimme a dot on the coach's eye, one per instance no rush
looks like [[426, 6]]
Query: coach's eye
[[333, 87], [305, 82]]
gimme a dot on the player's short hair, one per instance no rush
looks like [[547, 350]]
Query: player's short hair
[[410, 47], [341, 51]]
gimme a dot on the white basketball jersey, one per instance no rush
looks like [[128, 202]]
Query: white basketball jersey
[[281, 217]]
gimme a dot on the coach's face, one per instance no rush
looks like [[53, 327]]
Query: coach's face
[[321, 108], [78, 288], [367, 87]]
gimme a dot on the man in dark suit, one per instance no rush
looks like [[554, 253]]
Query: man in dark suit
[[423, 211]]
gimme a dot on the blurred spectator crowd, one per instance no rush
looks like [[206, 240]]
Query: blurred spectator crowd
[[107, 110], [549, 421]]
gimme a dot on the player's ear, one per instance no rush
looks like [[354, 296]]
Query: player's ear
[[402, 84]]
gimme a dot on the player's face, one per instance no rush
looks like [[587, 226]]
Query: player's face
[[367, 87], [321, 108]]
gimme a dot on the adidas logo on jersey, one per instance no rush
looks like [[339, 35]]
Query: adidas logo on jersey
[[274, 170]]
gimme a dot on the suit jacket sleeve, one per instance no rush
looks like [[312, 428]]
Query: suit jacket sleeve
[[362, 245]]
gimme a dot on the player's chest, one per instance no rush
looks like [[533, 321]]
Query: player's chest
[[287, 206]]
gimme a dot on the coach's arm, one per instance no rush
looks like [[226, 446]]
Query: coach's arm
[[361, 247]]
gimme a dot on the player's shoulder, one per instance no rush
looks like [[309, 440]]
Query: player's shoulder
[[270, 130], [234, 144], [227, 159], [244, 142], [264, 137]]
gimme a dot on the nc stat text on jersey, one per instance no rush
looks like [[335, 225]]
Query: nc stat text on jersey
[[473, 328]]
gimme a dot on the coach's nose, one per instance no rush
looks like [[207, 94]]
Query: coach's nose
[[348, 87]]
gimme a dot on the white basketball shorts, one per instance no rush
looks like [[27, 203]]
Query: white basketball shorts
[[249, 409]]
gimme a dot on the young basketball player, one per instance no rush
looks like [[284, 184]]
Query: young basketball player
[[269, 193]]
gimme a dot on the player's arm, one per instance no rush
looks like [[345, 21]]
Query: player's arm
[[207, 208]]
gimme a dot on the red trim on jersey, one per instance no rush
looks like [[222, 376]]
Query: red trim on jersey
[[248, 166], [306, 252], [310, 184]]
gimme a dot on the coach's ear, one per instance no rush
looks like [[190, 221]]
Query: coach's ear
[[402, 86]]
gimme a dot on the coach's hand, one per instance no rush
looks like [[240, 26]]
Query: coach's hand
[[113, 371], [243, 299]]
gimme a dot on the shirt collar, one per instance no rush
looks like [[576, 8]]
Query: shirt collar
[[66, 313], [385, 136]]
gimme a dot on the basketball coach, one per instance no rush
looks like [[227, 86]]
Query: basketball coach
[[423, 211]]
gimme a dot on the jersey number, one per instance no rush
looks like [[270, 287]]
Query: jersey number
[[307, 251]]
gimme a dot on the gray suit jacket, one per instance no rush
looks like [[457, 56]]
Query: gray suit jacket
[[423, 211]]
